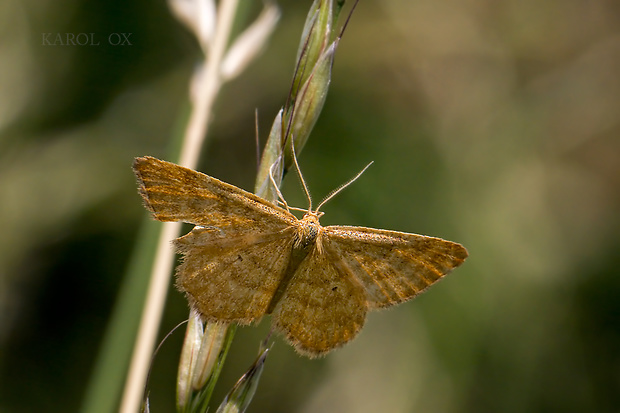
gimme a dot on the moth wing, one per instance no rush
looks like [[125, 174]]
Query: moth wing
[[391, 266], [232, 279], [321, 309], [174, 193]]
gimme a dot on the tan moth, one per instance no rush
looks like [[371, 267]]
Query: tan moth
[[247, 257]]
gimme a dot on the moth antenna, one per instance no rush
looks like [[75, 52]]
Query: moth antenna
[[341, 187], [273, 181], [301, 178]]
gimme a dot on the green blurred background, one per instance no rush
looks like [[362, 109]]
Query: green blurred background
[[491, 123]]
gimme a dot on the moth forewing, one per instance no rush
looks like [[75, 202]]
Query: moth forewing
[[174, 193], [392, 266]]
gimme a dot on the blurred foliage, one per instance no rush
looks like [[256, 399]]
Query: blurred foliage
[[494, 124]]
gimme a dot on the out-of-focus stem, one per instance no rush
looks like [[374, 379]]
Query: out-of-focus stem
[[196, 131]]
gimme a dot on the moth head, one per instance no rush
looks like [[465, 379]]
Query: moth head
[[307, 230], [313, 216]]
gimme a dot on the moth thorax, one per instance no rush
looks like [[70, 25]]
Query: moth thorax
[[307, 230]]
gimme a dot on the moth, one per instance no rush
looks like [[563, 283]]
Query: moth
[[247, 257]]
